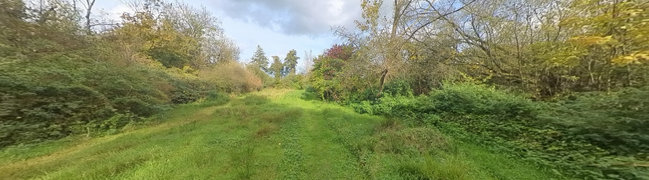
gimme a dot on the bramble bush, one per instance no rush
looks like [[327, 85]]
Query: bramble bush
[[587, 135], [60, 95], [56, 94], [616, 121]]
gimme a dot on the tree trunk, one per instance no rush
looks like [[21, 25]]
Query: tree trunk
[[391, 55], [383, 75], [90, 4]]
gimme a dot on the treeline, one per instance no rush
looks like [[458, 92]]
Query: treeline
[[284, 72], [561, 83], [542, 47], [63, 72]]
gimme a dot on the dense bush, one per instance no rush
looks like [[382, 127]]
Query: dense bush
[[459, 100], [58, 95], [35, 113], [464, 99], [266, 80], [293, 81], [617, 121], [58, 79], [595, 135], [323, 78], [397, 88], [232, 77]]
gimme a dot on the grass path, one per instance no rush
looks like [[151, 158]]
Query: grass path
[[273, 134]]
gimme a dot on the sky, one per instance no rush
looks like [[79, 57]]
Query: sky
[[276, 25]]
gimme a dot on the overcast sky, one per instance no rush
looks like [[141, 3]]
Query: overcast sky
[[277, 25]]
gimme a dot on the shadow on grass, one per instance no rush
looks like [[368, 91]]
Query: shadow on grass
[[309, 95]]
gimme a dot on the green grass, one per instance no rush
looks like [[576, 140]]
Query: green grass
[[273, 134]]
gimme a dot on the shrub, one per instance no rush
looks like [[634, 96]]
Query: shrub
[[398, 88], [617, 121], [33, 113], [55, 80], [466, 98], [266, 80], [231, 77], [135, 106], [61, 94], [589, 135], [310, 94], [184, 92], [293, 81], [324, 78]]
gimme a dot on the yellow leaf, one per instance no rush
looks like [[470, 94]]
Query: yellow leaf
[[624, 60], [592, 40], [636, 58]]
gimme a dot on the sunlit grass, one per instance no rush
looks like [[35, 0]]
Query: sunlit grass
[[273, 134]]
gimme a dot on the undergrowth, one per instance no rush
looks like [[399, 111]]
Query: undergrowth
[[589, 135]]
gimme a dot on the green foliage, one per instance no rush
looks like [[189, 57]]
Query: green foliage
[[277, 68], [292, 81], [594, 135], [49, 99], [57, 80], [260, 60], [137, 106], [216, 96], [616, 121], [398, 88], [168, 58], [290, 61], [269, 135], [176, 35], [587, 59], [465, 98], [213, 98], [185, 92], [337, 76], [324, 78], [411, 140], [51, 112]]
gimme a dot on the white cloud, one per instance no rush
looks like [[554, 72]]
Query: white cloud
[[249, 35], [117, 12], [292, 16]]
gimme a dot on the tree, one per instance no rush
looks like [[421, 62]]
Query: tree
[[325, 77], [226, 51], [545, 47], [88, 4], [290, 62], [389, 39], [337, 51], [259, 59], [276, 68], [176, 35], [308, 62]]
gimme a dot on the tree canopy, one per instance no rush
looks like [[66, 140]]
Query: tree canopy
[[259, 59], [290, 62]]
